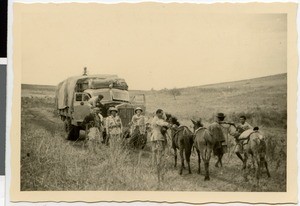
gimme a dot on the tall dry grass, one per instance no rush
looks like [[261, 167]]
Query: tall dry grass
[[49, 162]]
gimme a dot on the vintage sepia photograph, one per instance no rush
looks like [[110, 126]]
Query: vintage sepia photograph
[[152, 97]]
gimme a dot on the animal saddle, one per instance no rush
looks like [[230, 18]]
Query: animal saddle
[[245, 136], [200, 128], [177, 129]]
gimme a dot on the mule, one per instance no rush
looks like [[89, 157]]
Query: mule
[[254, 146], [204, 144], [182, 139]]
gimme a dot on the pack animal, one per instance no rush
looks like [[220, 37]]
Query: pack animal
[[182, 139], [254, 145], [204, 144]]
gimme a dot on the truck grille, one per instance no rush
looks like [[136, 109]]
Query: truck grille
[[126, 115]]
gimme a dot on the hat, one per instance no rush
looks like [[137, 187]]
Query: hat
[[100, 96], [159, 111], [112, 109], [255, 129], [221, 115], [138, 108]]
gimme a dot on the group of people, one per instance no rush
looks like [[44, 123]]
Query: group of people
[[112, 127], [216, 130]]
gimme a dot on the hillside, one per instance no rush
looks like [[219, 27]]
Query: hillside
[[266, 96], [263, 100]]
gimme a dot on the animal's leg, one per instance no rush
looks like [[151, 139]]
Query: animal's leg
[[266, 165], [154, 160], [94, 147], [90, 146], [182, 161], [239, 156], [175, 156], [221, 156], [245, 160], [187, 157], [253, 162], [217, 151], [107, 139], [257, 171], [84, 143], [217, 163], [199, 161], [206, 165], [206, 158]]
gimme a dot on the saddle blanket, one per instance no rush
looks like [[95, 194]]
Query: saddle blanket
[[248, 132]]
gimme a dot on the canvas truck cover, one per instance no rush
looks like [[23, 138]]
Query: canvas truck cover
[[66, 89], [117, 83]]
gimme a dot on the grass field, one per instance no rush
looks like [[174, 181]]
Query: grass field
[[49, 162]]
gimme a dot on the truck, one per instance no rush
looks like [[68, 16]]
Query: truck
[[72, 96]]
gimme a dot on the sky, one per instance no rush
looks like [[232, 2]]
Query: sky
[[153, 47]]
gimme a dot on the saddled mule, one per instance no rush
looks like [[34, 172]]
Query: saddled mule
[[254, 145], [182, 139], [204, 144]]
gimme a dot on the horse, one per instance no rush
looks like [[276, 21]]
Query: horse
[[253, 145], [182, 139], [204, 144]]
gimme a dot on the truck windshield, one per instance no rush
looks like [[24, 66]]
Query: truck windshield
[[121, 95], [109, 95]]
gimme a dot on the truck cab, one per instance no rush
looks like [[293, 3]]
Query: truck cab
[[114, 91]]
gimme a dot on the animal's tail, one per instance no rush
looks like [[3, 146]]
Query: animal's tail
[[185, 131]]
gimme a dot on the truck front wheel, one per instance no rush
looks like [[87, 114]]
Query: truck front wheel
[[73, 133], [68, 125]]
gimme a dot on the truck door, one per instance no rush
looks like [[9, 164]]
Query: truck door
[[139, 100], [81, 106]]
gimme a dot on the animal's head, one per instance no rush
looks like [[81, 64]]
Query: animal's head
[[168, 116], [197, 124], [172, 120]]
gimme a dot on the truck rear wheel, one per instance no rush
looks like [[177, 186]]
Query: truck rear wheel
[[73, 133]]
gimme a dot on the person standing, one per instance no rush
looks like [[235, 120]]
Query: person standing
[[93, 124], [216, 131], [113, 126], [138, 129], [241, 127], [96, 102], [159, 141], [138, 121]]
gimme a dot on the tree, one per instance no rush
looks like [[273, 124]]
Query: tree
[[175, 92]]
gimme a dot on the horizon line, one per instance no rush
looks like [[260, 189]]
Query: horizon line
[[201, 85]]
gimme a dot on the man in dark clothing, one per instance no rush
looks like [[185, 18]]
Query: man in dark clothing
[[94, 120], [215, 129]]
